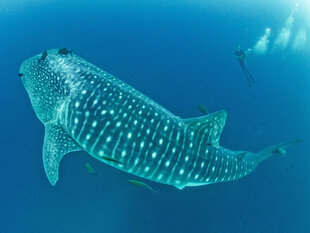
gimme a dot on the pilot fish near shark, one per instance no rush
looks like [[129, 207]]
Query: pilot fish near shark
[[85, 108]]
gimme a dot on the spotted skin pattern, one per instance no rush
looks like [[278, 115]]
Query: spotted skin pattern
[[92, 110]]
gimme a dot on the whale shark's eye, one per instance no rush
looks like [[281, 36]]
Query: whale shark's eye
[[20, 74]]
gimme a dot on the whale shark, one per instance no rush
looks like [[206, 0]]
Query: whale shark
[[85, 108]]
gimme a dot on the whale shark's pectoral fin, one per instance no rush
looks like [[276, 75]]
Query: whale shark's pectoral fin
[[57, 143], [207, 129]]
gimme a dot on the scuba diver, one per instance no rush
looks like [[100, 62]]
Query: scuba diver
[[241, 57]]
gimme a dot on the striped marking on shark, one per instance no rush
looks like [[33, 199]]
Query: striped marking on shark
[[86, 108]]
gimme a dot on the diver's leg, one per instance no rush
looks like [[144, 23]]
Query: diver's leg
[[246, 73], [250, 75], [248, 80]]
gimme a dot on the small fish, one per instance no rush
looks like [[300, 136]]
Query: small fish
[[203, 109], [281, 151], [90, 169], [111, 160], [140, 184], [44, 55], [65, 51]]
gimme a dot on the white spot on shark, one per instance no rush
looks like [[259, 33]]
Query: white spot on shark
[[94, 123]]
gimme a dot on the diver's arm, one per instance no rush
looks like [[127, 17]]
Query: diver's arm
[[248, 51]]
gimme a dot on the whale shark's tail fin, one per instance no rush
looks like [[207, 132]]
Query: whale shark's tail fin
[[279, 148]]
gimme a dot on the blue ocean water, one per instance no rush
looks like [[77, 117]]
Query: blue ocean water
[[179, 53]]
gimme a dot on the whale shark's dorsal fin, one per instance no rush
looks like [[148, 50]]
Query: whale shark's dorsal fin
[[207, 129], [57, 143]]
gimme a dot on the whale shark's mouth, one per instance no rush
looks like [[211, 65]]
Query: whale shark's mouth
[[20, 74]]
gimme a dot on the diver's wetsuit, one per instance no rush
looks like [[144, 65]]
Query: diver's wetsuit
[[241, 55]]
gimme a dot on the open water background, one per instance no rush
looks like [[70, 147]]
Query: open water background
[[179, 53]]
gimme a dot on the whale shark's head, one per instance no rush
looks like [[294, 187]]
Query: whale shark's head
[[44, 77]]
